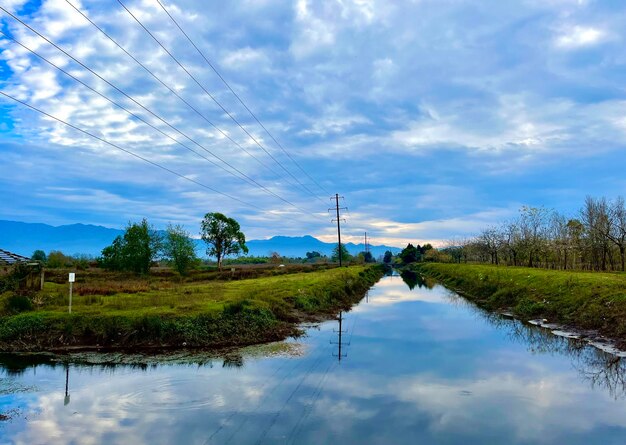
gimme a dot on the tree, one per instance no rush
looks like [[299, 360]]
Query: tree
[[368, 257], [113, 256], [388, 257], [409, 254], [490, 239], [275, 258], [345, 255], [223, 236], [179, 248], [617, 228], [134, 251], [57, 259], [312, 255], [39, 255], [533, 222], [142, 244]]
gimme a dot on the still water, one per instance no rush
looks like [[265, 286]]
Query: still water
[[416, 365]]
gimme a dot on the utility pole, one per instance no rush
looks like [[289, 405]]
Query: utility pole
[[366, 246], [338, 219]]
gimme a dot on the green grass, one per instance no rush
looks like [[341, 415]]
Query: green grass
[[148, 312], [587, 300]]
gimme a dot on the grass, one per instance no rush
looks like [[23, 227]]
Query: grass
[[586, 300], [166, 311]]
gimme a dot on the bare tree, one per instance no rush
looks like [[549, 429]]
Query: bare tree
[[491, 240], [617, 227], [533, 225]]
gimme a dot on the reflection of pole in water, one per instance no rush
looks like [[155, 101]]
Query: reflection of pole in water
[[339, 343], [67, 385]]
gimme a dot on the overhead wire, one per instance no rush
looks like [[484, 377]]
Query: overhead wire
[[256, 183], [259, 403], [112, 144], [239, 98], [279, 412], [212, 97], [291, 439], [35, 53], [170, 89]]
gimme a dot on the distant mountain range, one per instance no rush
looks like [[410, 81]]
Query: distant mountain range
[[25, 238]]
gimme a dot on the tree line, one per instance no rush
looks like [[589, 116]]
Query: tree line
[[141, 245], [593, 239]]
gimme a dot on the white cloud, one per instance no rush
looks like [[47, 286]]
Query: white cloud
[[580, 37], [367, 95], [246, 58], [514, 124]]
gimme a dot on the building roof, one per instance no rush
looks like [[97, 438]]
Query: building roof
[[10, 258]]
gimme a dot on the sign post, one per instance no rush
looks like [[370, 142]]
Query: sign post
[[72, 278]]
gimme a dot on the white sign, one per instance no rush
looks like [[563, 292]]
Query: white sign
[[72, 277]]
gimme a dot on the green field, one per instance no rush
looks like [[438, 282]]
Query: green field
[[585, 300], [111, 311]]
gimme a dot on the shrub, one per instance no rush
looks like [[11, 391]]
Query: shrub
[[18, 303]]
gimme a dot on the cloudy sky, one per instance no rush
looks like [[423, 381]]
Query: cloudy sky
[[433, 118]]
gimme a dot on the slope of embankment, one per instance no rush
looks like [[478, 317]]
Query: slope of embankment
[[215, 313], [581, 300]]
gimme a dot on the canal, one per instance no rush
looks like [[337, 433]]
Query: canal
[[411, 363]]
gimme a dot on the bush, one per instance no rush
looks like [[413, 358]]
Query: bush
[[57, 259], [18, 303]]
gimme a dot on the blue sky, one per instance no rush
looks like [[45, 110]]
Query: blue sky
[[434, 118]]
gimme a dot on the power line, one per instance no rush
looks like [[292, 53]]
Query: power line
[[238, 97], [32, 107], [171, 90], [112, 101], [233, 118], [316, 393], [277, 413], [154, 114]]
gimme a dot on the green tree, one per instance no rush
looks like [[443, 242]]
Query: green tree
[[409, 254], [367, 257], [179, 248], [142, 244], [39, 255], [388, 257], [223, 236], [134, 251], [113, 256], [345, 255], [57, 259]]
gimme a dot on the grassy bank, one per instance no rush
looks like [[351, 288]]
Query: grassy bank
[[166, 313], [584, 300]]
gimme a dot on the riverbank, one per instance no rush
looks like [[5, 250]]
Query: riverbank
[[589, 301], [200, 314]]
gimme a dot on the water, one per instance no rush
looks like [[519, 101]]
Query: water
[[417, 366]]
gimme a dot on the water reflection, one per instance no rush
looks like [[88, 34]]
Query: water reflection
[[405, 366], [414, 279], [66, 400], [601, 369], [233, 361]]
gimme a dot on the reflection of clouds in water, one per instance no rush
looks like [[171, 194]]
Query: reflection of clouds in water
[[388, 292], [140, 408], [440, 372], [537, 408]]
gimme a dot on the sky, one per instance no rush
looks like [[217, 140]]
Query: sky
[[432, 118]]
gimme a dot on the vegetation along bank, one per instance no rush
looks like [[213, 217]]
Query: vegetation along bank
[[127, 313], [581, 300]]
